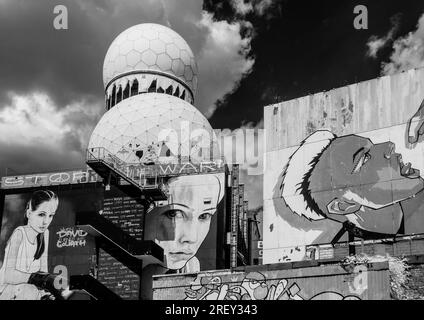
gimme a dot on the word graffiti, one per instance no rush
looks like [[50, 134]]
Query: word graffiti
[[46, 179], [254, 286], [70, 237]]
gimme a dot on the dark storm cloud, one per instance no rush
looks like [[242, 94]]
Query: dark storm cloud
[[51, 88], [21, 159], [35, 135], [72, 142], [310, 47], [66, 64]]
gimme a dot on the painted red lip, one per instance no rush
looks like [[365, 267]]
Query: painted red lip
[[182, 253]]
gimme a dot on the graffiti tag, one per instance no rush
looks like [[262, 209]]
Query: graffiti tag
[[254, 286], [70, 237]]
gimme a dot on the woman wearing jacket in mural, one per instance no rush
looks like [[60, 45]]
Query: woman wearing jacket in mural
[[24, 274]]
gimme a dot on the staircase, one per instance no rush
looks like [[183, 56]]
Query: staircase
[[92, 287], [139, 181], [133, 253], [117, 172]]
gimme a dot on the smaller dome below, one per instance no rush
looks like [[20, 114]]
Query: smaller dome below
[[150, 48], [155, 128]]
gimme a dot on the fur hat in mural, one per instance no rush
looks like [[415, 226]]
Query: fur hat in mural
[[296, 174]]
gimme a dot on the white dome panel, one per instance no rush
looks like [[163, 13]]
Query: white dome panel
[[126, 47], [164, 62], [133, 58], [149, 57], [157, 46], [141, 45]]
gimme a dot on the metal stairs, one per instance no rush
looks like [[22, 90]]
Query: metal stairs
[[117, 172]]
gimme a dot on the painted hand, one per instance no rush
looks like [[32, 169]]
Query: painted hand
[[48, 282], [415, 126]]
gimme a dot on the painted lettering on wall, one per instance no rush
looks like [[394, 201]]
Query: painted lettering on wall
[[254, 286], [48, 179], [71, 237]]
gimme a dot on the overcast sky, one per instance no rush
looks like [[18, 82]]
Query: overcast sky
[[250, 54]]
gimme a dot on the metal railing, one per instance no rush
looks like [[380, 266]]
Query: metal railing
[[121, 167], [400, 245], [143, 172]]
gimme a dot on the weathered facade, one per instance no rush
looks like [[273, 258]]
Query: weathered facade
[[344, 165], [289, 281]]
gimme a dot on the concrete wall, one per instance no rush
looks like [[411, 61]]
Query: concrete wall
[[360, 107], [302, 155], [400, 247], [290, 281], [414, 287]]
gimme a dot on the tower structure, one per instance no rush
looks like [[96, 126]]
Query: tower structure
[[150, 80], [150, 136]]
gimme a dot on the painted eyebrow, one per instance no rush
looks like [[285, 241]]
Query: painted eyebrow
[[180, 204], [46, 212]]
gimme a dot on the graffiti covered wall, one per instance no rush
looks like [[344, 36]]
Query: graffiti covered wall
[[38, 235], [67, 245], [314, 283], [186, 226], [344, 162]]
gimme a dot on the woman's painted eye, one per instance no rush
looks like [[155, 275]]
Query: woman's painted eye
[[205, 216], [174, 214], [364, 159]]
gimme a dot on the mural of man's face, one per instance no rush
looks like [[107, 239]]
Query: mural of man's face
[[355, 176], [181, 226]]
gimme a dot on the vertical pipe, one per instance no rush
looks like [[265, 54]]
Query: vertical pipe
[[351, 239], [249, 241]]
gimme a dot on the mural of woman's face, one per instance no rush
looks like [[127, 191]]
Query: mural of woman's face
[[40, 218], [371, 172], [364, 182], [181, 226]]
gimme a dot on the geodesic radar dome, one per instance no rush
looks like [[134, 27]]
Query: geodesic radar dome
[[150, 47], [155, 128]]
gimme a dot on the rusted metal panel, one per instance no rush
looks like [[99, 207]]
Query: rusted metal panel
[[330, 282]]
